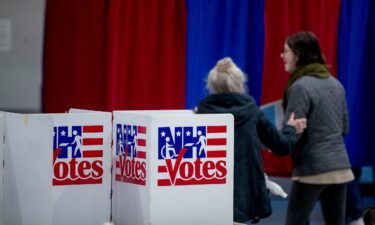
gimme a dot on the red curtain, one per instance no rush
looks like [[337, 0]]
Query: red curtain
[[74, 55], [145, 57], [282, 18], [114, 54]]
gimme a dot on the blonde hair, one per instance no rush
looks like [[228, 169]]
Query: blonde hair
[[226, 77]]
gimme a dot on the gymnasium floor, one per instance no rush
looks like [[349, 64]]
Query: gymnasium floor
[[279, 205]]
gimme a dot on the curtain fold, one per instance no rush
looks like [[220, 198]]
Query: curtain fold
[[114, 55], [284, 17], [220, 28], [73, 68], [145, 55], [356, 54]]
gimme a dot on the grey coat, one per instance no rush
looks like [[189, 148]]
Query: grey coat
[[321, 147]]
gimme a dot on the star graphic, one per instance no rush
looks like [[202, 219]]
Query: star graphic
[[162, 134], [188, 133], [63, 133], [178, 133]]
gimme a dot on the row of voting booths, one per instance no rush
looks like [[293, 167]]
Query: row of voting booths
[[156, 167]]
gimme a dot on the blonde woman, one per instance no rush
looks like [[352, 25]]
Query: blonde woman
[[226, 84]]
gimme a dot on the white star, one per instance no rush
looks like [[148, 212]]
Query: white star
[[178, 133], [118, 130], [63, 133], [162, 134], [188, 133]]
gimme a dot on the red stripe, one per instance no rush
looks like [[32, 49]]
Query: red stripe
[[162, 169], [217, 154], [203, 181], [93, 129], [56, 154], [141, 155], [216, 129], [167, 182], [141, 130], [76, 182], [164, 182], [92, 153], [141, 142], [92, 141], [133, 181], [216, 141], [117, 164]]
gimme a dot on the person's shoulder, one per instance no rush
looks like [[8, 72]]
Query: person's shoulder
[[242, 97], [335, 81], [307, 82]]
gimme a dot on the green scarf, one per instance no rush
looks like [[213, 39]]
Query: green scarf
[[313, 69]]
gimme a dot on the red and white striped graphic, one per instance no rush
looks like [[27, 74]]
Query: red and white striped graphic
[[86, 169], [132, 169], [198, 171], [92, 141]]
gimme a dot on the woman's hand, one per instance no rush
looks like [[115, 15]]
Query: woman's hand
[[298, 124]]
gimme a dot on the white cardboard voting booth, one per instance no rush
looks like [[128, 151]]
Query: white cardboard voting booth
[[2, 140], [169, 167], [57, 168], [81, 183], [172, 167], [27, 173]]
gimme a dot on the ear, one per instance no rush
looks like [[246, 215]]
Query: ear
[[296, 59]]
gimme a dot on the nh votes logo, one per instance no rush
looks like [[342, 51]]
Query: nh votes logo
[[77, 155], [192, 155], [131, 154]]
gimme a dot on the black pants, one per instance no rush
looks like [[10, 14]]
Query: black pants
[[303, 197], [354, 207]]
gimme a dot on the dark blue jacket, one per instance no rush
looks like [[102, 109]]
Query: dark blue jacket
[[252, 128]]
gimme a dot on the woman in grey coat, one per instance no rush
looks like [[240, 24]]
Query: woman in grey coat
[[321, 167]]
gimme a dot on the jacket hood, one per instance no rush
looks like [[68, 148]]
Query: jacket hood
[[241, 106]]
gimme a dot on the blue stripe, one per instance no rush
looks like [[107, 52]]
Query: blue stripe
[[220, 28], [356, 71]]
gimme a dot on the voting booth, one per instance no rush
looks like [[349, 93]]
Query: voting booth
[[168, 167], [2, 131], [57, 168], [172, 167]]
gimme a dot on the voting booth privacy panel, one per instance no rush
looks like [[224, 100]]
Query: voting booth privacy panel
[[169, 167], [56, 168], [2, 131], [172, 167]]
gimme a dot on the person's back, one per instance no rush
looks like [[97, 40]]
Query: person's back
[[250, 195], [323, 101]]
